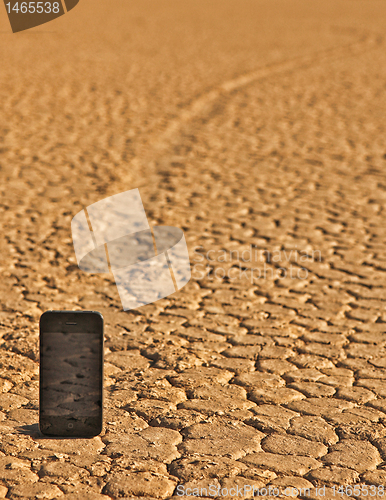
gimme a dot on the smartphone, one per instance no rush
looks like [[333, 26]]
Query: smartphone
[[71, 373]]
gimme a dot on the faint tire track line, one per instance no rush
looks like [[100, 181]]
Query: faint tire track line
[[202, 103]]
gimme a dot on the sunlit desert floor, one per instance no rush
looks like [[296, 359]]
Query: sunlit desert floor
[[255, 126]]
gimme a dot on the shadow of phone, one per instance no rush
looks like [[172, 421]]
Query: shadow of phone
[[33, 431]]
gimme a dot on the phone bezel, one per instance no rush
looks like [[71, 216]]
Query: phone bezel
[[89, 322]]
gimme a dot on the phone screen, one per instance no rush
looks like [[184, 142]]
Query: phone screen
[[71, 378]]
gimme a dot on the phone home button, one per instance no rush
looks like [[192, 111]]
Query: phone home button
[[70, 425]]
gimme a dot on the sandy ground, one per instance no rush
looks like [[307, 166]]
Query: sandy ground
[[254, 124]]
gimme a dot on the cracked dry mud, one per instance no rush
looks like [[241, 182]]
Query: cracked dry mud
[[244, 123]]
